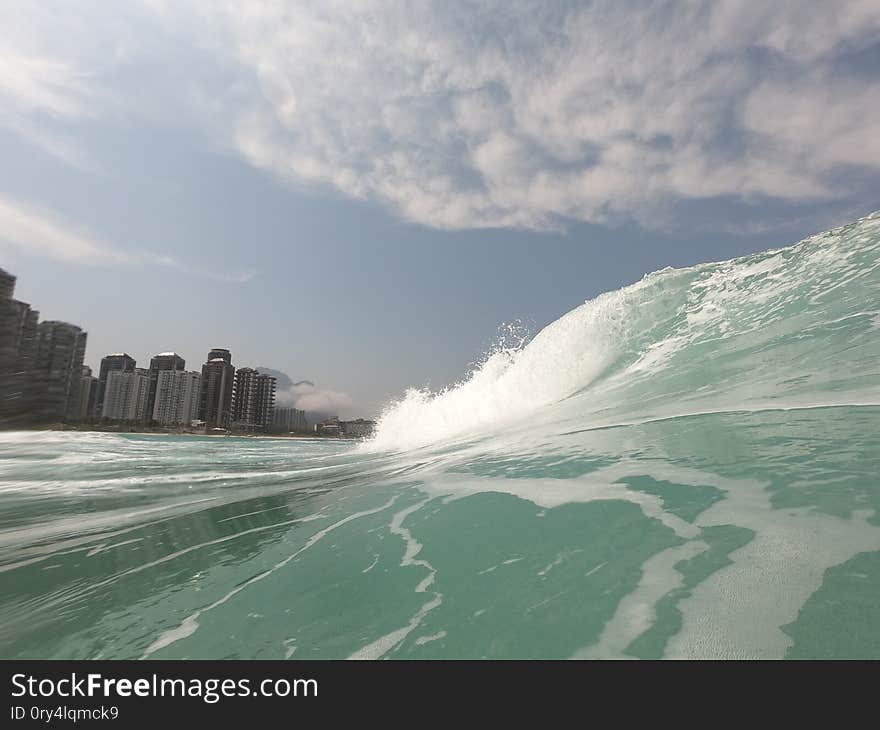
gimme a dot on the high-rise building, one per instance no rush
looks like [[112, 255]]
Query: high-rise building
[[57, 371], [243, 396], [164, 361], [264, 400], [125, 395], [25, 334], [8, 348], [215, 401], [143, 393], [88, 391], [176, 397], [253, 399], [7, 285], [222, 353], [290, 419], [40, 363], [119, 361], [18, 337]]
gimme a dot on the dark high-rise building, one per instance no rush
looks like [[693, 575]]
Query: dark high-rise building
[[18, 334], [253, 401], [243, 396], [223, 354], [57, 371], [40, 363], [161, 362], [7, 285], [25, 333], [215, 401], [118, 361], [264, 401], [8, 344]]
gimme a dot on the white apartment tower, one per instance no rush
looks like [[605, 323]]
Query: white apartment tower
[[125, 395], [176, 397]]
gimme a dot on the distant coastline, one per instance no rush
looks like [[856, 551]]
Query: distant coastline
[[158, 431]]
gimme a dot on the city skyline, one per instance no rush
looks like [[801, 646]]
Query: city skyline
[[44, 380], [370, 226]]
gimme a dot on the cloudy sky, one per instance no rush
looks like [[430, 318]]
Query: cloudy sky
[[360, 193]]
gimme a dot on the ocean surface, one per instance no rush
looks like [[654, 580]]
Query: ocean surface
[[686, 467]]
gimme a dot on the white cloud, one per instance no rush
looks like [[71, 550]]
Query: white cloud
[[42, 83], [457, 114], [821, 122], [34, 83], [525, 114], [36, 231], [306, 396], [61, 145]]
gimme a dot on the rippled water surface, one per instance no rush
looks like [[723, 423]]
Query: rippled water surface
[[687, 467]]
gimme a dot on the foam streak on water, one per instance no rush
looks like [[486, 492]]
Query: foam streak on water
[[687, 467]]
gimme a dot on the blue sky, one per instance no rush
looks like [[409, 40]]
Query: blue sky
[[360, 193]]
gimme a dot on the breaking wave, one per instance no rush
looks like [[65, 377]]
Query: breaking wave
[[784, 328]]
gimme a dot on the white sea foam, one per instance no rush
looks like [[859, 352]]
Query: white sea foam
[[635, 614], [428, 639], [386, 643], [738, 612]]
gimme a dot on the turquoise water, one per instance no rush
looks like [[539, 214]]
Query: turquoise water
[[687, 467]]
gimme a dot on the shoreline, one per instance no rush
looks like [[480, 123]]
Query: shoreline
[[152, 432]]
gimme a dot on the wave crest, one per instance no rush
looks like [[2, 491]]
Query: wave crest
[[786, 327]]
